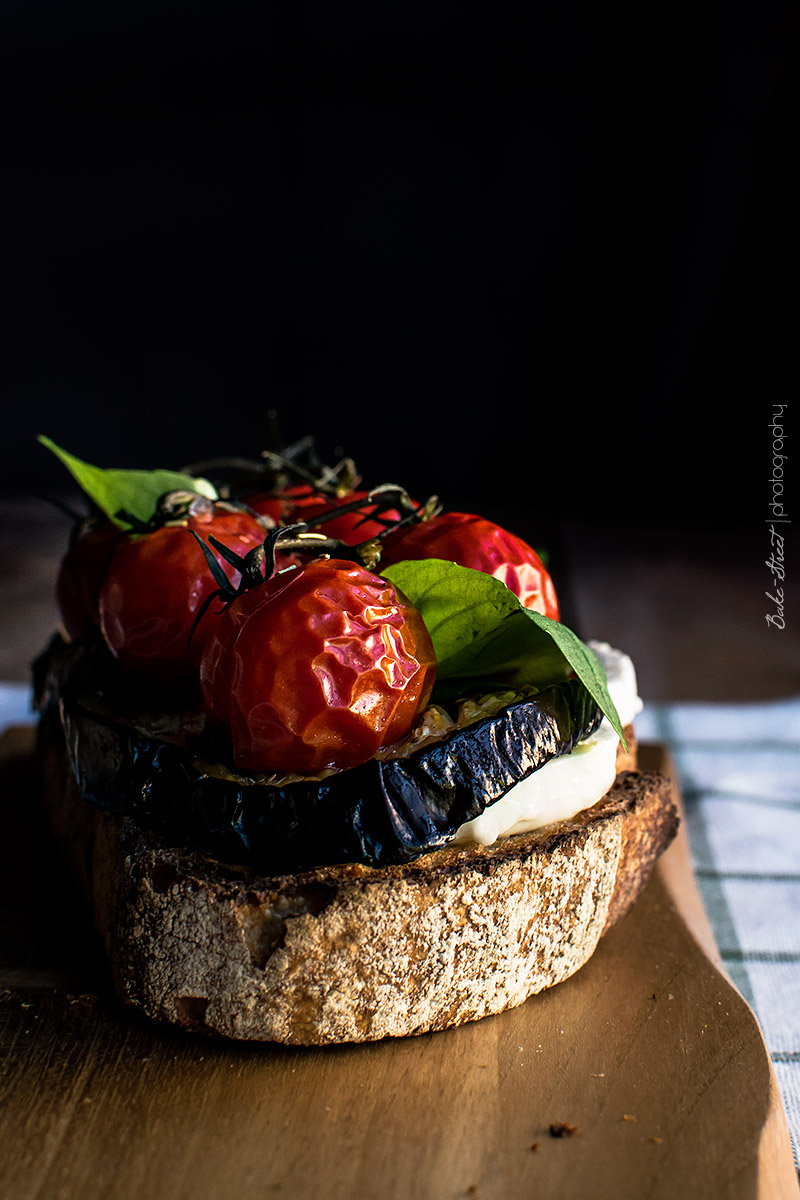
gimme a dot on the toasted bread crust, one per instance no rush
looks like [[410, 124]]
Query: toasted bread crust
[[352, 953]]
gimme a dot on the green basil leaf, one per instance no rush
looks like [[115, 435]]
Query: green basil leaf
[[485, 639], [119, 490], [584, 662]]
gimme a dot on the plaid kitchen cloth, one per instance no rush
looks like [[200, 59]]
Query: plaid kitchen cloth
[[738, 767]]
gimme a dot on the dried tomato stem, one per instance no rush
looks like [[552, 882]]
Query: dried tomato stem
[[381, 499], [258, 564], [331, 481]]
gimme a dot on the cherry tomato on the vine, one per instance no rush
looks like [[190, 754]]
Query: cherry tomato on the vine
[[155, 585], [473, 541], [278, 505], [304, 503], [350, 528], [318, 667], [80, 575]]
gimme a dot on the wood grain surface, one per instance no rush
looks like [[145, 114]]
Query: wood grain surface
[[648, 1057]]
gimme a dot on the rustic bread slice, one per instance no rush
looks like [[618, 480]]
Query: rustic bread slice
[[352, 953]]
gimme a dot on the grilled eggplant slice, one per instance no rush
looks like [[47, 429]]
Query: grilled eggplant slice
[[386, 811]]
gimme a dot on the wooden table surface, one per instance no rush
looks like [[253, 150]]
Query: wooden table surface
[[648, 1050]]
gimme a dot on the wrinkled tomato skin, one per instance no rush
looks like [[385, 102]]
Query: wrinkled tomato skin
[[156, 584], [303, 503], [473, 541], [80, 575], [319, 667]]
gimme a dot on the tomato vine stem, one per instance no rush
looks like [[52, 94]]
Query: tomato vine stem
[[258, 565]]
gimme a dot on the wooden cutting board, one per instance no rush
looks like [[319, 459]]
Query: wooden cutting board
[[648, 1056]]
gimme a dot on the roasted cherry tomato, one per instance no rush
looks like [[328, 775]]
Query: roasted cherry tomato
[[80, 575], [155, 585], [472, 541], [304, 503], [278, 505], [318, 667], [350, 528]]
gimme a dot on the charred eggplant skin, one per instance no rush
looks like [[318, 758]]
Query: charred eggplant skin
[[380, 813]]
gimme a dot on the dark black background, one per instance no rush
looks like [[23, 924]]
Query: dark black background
[[535, 252]]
